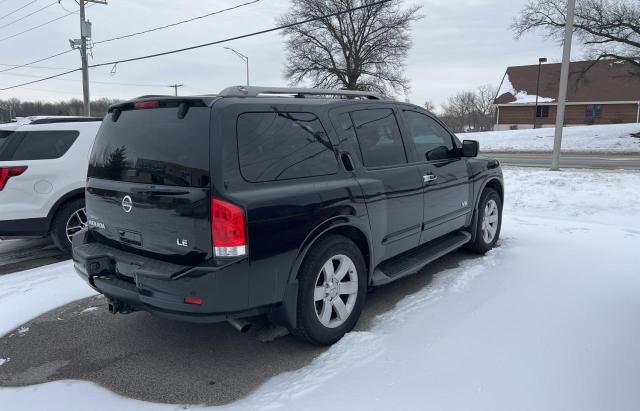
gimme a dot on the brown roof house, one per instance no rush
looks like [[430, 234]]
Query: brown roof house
[[602, 92]]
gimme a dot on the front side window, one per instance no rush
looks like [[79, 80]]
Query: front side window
[[431, 140], [280, 146], [379, 138], [43, 145], [594, 111]]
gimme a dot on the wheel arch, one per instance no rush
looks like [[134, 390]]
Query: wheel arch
[[286, 313], [71, 195], [494, 183]]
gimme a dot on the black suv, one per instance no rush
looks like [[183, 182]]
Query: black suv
[[276, 201]]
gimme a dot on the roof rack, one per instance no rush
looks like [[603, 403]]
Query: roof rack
[[243, 91]]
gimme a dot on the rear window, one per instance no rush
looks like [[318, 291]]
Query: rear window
[[4, 137], [281, 146], [36, 145], [154, 146]]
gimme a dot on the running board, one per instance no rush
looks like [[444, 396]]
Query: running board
[[412, 261]]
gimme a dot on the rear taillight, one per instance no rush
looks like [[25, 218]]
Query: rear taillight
[[228, 229], [146, 104], [7, 172]]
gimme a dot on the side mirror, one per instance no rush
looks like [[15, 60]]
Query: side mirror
[[470, 148], [438, 153]]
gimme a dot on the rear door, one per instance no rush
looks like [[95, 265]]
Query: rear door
[[391, 186], [148, 182], [444, 173]]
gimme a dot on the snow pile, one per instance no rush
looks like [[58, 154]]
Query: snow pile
[[520, 96], [614, 138], [27, 294], [547, 321]]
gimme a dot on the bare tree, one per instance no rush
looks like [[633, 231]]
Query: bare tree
[[609, 28], [471, 110], [13, 107], [363, 49], [429, 106]]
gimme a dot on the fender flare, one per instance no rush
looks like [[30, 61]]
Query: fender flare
[[474, 219], [286, 313]]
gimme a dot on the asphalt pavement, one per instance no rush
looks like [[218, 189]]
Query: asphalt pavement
[[569, 160], [19, 255], [147, 358]]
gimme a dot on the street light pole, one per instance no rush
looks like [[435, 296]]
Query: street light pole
[[244, 58], [535, 113], [564, 81]]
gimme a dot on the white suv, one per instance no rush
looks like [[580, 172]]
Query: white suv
[[43, 170]]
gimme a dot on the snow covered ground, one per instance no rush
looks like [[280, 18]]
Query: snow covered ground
[[547, 321], [616, 138]]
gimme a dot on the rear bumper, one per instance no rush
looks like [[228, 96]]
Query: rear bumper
[[160, 287], [30, 227]]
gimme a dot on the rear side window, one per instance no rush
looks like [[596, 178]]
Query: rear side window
[[43, 145], [281, 146], [154, 146], [379, 138]]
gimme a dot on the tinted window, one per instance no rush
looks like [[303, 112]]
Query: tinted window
[[347, 133], [379, 138], [280, 146], [432, 141], [43, 145], [154, 146], [4, 138]]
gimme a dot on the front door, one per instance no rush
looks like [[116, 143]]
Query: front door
[[391, 186], [447, 190]]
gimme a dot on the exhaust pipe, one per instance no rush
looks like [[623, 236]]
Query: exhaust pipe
[[239, 324], [114, 306], [119, 307]]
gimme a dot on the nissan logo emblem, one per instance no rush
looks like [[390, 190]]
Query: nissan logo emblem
[[127, 204]]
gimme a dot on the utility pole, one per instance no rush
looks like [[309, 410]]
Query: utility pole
[[243, 58], [85, 34], [564, 81], [175, 88]]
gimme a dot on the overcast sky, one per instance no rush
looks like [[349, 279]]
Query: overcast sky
[[460, 44]]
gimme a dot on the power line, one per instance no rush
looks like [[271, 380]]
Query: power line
[[96, 82], [39, 25], [176, 23], [28, 15], [165, 53], [37, 61], [118, 37], [18, 9], [14, 66]]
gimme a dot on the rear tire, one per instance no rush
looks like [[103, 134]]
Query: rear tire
[[70, 218], [489, 222], [332, 291]]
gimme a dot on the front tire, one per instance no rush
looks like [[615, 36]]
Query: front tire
[[69, 219], [489, 222], [332, 291]]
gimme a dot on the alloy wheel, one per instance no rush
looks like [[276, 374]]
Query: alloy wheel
[[490, 221], [76, 222], [336, 291]]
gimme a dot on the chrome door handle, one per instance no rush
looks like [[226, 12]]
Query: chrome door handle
[[429, 177]]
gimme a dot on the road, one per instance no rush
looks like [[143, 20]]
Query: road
[[573, 160], [18, 255], [151, 359]]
